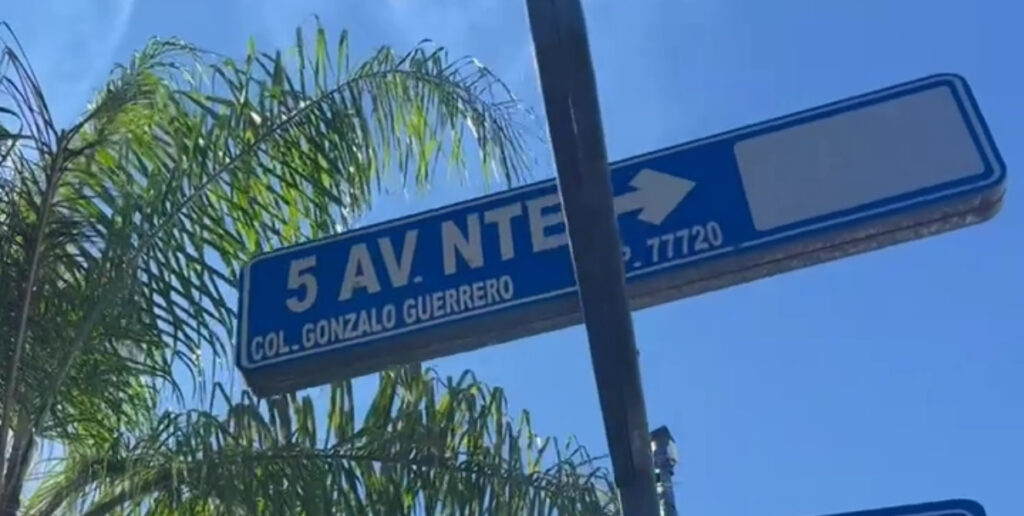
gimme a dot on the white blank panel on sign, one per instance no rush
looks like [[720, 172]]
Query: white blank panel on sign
[[854, 158]]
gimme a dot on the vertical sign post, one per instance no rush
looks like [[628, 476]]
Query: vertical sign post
[[577, 138]]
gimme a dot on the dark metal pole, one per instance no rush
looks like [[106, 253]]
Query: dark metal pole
[[666, 456], [577, 137]]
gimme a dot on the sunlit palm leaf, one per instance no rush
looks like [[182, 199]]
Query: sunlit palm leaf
[[424, 447], [250, 158]]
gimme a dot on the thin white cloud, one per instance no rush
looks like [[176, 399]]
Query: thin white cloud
[[71, 45], [493, 30]]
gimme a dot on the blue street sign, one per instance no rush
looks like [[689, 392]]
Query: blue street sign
[[882, 168], [944, 508]]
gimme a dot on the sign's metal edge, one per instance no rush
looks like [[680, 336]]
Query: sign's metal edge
[[242, 358], [952, 507]]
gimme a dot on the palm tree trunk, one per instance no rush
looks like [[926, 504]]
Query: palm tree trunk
[[18, 463]]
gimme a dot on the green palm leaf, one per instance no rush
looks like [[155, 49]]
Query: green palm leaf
[[425, 446]]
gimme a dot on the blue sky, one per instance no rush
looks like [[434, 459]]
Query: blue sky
[[887, 378]]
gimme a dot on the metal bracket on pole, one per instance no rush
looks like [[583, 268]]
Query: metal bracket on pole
[[666, 456], [577, 137]]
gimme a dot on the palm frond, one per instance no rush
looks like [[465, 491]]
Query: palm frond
[[237, 158], [54, 255], [426, 446]]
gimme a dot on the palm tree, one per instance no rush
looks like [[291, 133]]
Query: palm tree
[[424, 447], [119, 239]]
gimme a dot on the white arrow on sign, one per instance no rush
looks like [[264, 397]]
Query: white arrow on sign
[[656, 194]]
